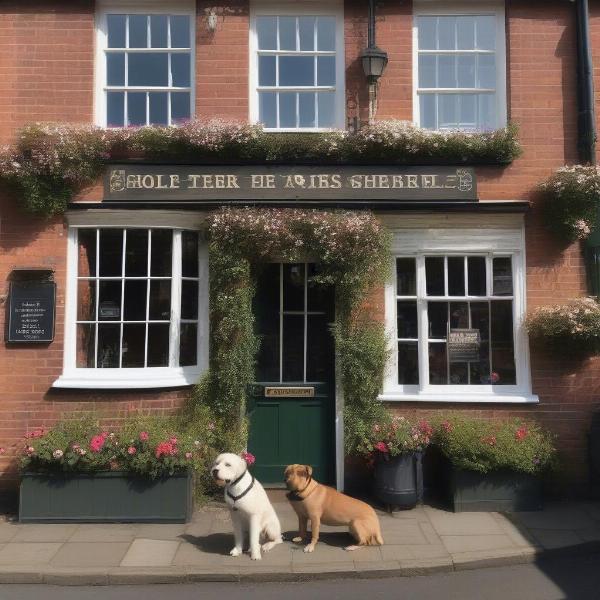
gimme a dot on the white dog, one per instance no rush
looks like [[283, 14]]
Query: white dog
[[248, 504]]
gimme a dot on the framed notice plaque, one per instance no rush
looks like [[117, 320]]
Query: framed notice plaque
[[463, 345], [31, 309]]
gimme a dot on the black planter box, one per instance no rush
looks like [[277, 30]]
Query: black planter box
[[506, 491], [399, 480], [105, 497]]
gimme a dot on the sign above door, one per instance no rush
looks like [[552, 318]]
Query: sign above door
[[148, 183]]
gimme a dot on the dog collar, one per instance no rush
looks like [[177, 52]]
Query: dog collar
[[240, 496], [295, 496]]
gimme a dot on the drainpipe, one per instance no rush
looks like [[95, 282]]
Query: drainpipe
[[586, 120]]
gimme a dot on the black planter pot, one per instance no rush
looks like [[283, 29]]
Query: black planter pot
[[399, 480], [105, 497], [507, 491]]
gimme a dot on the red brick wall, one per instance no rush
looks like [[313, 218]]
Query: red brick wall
[[46, 73]]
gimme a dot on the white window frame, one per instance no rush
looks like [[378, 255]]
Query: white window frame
[[299, 9], [478, 239], [446, 8], [154, 7], [142, 377]]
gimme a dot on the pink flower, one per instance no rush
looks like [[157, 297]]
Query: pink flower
[[494, 377], [211, 426], [165, 448], [188, 455], [104, 434], [97, 443], [144, 436], [382, 447], [446, 426], [521, 433], [173, 440], [131, 450], [29, 450], [249, 458], [2, 450]]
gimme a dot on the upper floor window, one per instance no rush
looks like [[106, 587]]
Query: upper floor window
[[298, 71], [145, 69], [460, 69]]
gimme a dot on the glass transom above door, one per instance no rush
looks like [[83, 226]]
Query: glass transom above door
[[293, 317]]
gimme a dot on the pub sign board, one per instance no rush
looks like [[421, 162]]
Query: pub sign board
[[222, 183], [31, 310]]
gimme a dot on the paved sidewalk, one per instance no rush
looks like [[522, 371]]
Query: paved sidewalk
[[419, 541]]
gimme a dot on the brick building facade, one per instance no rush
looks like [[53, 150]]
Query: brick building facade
[[49, 58]]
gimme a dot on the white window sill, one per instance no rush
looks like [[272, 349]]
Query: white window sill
[[499, 398], [114, 379]]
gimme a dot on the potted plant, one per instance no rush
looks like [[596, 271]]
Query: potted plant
[[395, 446], [79, 472], [494, 465]]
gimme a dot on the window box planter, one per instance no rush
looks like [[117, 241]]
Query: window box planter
[[399, 480], [507, 491], [105, 497]]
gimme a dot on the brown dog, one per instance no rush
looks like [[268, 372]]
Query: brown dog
[[322, 504]]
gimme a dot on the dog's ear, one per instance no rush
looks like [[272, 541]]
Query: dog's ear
[[309, 470]]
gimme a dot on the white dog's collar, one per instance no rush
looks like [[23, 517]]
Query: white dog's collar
[[240, 496]]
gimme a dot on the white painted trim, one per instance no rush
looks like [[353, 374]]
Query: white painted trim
[[462, 398], [334, 8], [113, 379], [447, 7]]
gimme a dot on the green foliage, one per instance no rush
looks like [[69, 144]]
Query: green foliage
[[484, 446]]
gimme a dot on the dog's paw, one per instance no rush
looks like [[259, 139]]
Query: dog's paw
[[255, 556], [297, 539], [268, 546], [235, 552], [309, 548]]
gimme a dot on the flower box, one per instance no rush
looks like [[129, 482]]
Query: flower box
[[105, 497], [399, 480], [508, 491]]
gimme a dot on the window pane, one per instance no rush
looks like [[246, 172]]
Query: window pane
[[326, 70], [136, 253], [407, 319], [486, 33], [306, 105], [138, 31], [326, 108], [160, 300], [189, 299], [434, 275], [447, 110], [267, 109], [326, 33], [319, 340], [266, 29], [158, 31], [108, 346], [115, 109], [502, 269], [459, 315], [406, 277], [319, 297], [408, 363], [136, 108], [116, 31], [486, 71], [437, 315], [115, 69], [180, 70], [306, 32], [159, 108], [266, 310], [438, 366], [456, 276], [467, 111], [188, 345], [134, 304], [109, 301], [427, 33], [180, 32], [293, 347], [162, 241], [487, 111], [158, 345], [111, 252], [86, 346], [427, 71], [86, 300], [134, 345], [189, 254], [180, 107], [477, 283], [427, 110], [480, 319], [459, 373], [266, 70], [293, 286], [446, 68], [447, 33], [287, 110], [466, 70], [148, 69], [86, 239], [296, 70], [287, 33], [503, 358], [465, 33]]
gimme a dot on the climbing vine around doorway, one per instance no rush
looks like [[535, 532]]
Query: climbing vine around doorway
[[353, 250]]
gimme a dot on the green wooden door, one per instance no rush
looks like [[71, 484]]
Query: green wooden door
[[293, 318]]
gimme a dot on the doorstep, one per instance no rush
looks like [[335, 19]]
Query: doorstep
[[421, 541]]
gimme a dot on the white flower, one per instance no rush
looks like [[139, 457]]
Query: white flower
[[57, 454]]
